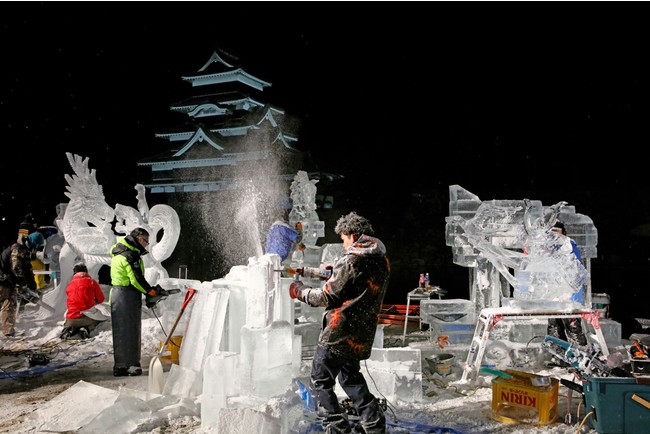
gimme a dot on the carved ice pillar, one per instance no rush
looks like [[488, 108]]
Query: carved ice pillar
[[485, 284]]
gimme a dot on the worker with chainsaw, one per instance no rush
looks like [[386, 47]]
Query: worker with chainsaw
[[15, 274], [128, 285], [283, 240], [352, 298], [83, 293]]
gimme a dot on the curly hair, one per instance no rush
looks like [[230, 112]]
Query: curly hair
[[353, 224]]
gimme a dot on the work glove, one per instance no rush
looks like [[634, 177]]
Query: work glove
[[295, 289], [154, 295]]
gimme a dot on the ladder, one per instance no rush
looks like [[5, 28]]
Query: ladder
[[489, 317]]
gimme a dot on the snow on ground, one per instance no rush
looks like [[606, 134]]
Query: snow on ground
[[443, 404]]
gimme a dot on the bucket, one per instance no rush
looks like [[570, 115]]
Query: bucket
[[441, 363], [173, 347]]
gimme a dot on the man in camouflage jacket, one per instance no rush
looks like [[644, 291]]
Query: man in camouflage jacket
[[352, 298]]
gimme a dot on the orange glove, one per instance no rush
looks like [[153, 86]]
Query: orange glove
[[295, 289]]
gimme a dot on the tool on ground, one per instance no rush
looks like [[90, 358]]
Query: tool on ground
[[537, 380], [310, 272], [156, 374], [639, 350], [572, 385], [586, 362]]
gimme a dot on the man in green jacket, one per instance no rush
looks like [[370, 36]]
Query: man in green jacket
[[128, 285]]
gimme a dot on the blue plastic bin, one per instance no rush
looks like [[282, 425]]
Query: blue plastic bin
[[615, 410]]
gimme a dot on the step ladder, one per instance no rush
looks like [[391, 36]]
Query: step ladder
[[489, 317]]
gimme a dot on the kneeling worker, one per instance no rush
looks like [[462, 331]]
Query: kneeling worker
[[83, 293]]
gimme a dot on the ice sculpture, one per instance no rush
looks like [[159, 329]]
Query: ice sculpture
[[159, 218], [511, 241], [87, 228], [303, 196]]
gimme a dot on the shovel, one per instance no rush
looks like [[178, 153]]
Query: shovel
[[156, 375]]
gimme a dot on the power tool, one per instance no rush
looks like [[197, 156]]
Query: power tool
[[161, 294], [310, 272]]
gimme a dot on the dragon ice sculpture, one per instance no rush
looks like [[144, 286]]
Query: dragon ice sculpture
[[87, 226]]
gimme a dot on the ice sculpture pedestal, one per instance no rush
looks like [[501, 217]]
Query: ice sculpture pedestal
[[489, 317]]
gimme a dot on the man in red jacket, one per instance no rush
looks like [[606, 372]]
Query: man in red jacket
[[83, 293]]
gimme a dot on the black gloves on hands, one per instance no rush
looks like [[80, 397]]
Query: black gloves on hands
[[154, 296]]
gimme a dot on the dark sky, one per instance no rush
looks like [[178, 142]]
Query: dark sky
[[406, 97]]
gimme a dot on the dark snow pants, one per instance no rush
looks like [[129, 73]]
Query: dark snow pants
[[326, 368], [126, 320]]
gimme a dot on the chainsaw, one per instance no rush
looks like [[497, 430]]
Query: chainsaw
[[161, 294], [28, 296], [323, 273]]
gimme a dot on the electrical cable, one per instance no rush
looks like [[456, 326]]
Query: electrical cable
[[583, 421], [155, 314], [43, 353], [388, 404]]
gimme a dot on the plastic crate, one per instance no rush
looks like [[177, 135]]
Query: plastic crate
[[616, 406], [516, 400]]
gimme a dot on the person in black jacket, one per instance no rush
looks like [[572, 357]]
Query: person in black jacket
[[15, 270], [352, 297]]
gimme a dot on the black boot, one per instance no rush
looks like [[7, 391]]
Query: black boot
[[67, 333]]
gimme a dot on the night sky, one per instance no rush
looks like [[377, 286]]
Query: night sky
[[403, 100]]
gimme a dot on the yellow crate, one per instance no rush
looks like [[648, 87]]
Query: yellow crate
[[516, 400], [171, 353]]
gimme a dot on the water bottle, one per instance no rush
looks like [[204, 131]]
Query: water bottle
[[422, 283], [426, 280]]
